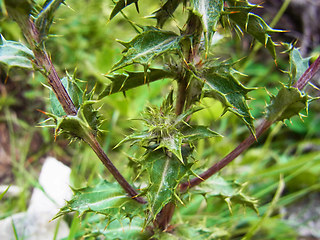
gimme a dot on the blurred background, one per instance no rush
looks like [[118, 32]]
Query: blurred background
[[84, 40]]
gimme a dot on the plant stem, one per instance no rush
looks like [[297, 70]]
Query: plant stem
[[193, 27], [229, 158], [164, 217], [94, 144], [300, 84], [308, 74], [44, 61], [181, 94]]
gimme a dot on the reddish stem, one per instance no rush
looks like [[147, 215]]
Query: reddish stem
[[308, 74], [44, 61], [92, 141], [300, 84], [229, 158]]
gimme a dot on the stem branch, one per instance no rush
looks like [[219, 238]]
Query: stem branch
[[227, 159], [43, 60], [94, 144], [300, 84]]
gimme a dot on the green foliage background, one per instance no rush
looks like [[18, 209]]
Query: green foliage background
[[82, 37]]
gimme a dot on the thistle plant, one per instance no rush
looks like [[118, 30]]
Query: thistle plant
[[167, 175]]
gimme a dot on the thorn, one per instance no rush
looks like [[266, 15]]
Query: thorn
[[45, 113]]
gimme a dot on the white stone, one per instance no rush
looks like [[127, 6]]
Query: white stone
[[45, 203]]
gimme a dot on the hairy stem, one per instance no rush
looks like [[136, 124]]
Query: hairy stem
[[93, 143], [308, 74], [43, 60]]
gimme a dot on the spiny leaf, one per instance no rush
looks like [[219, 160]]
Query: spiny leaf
[[223, 86], [87, 120], [166, 11], [121, 4], [125, 81], [74, 126], [140, 137], [239, 14], [104, 198], [298, 64], [288, 103], [147, 46], [230, 191], [209, 12], [165, 173], [166, 130], [119, 229], [44, 19], [173, 144], [15, 54], [187, 231], [195, 132], [91, 115]]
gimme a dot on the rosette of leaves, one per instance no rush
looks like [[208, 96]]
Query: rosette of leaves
[[168, 156]]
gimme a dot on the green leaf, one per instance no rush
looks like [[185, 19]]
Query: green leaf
[[105, 198], [15, 54], [165, 174], [74, 91], [119, 229], [166, 11], [4, 192], [91, 116], [209, 12], [140, 137], [147, 46], [223, 86], [288, 103], [121, 4], [173, 144], [125, 81], [185, 231], [74, 126], [229, 191], [298, 64], [195, 132], [239, 14], [44, 19]]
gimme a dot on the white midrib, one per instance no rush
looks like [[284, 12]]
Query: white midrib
[[154, 48], [105, 201], [202, 9], [162, 180], [123, 229]]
